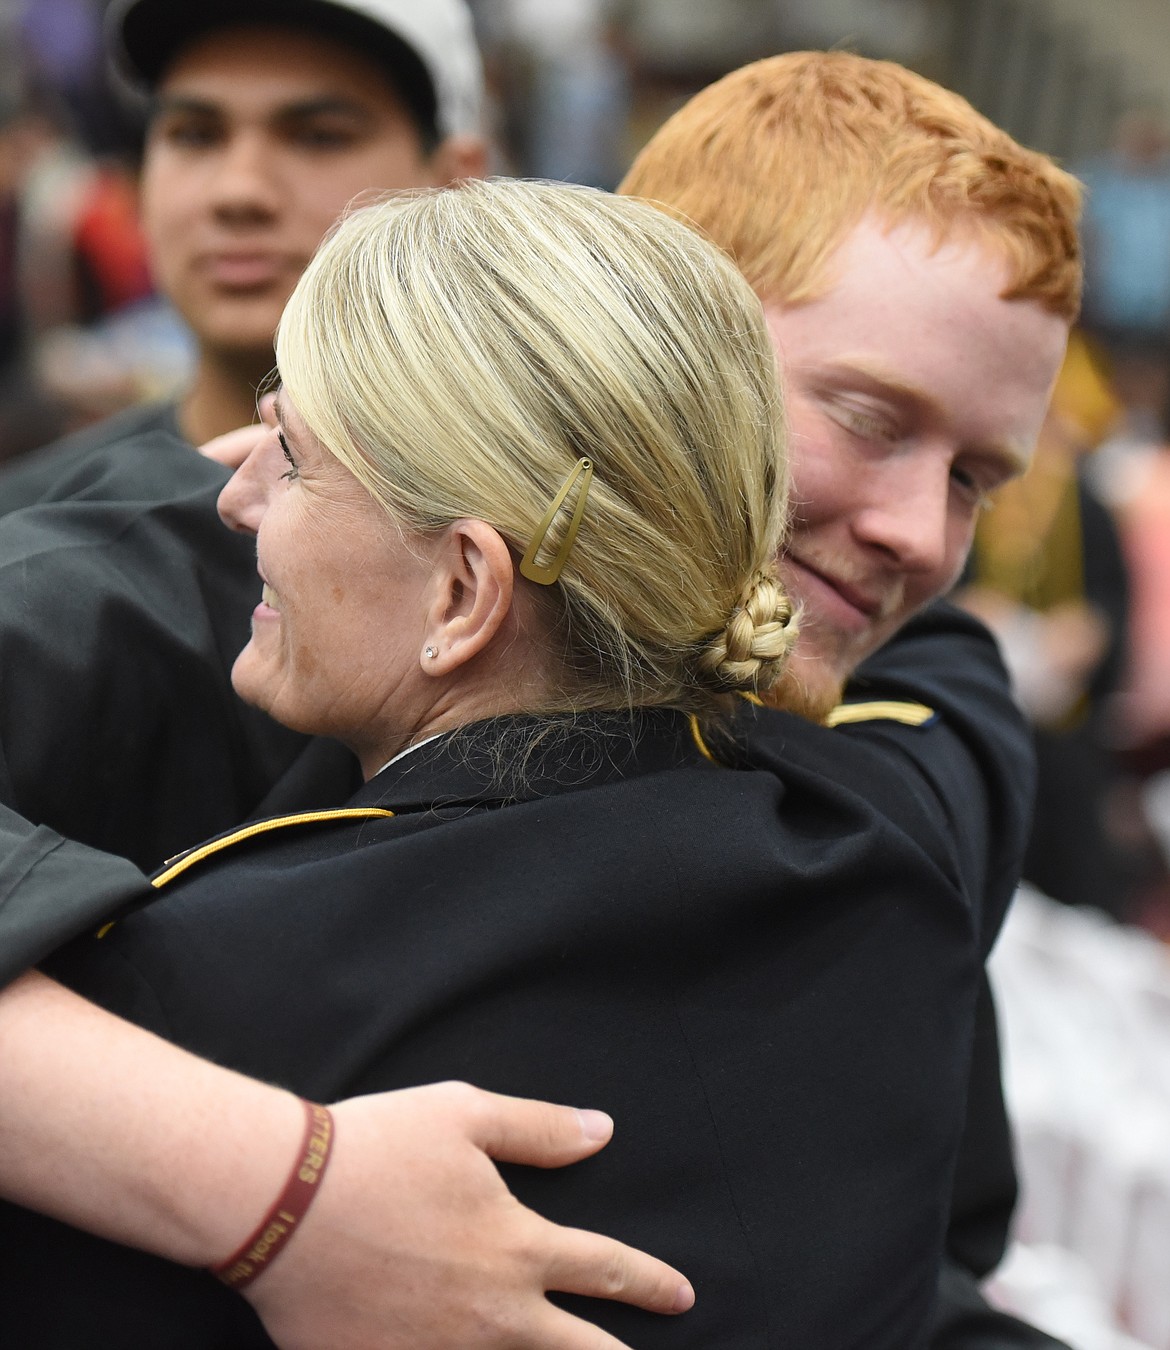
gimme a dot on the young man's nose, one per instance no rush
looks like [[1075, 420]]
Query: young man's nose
[[909, 518], [245, 182]]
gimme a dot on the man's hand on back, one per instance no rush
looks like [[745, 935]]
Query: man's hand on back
[[415, 1243]]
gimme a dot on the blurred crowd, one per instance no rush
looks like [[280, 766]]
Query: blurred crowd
[[82, 333], [1071, 564]]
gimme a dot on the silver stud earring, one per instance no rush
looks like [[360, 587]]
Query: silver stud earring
[[431, 652]]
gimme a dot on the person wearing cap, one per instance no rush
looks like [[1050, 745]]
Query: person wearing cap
[[267, 118]]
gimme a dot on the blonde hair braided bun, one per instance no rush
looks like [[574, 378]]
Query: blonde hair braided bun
[[752, 650]]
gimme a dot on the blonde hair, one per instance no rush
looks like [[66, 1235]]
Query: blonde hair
[[780, 160], [461, 350]]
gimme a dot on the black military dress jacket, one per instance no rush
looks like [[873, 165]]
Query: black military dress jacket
[[760, 954], [116, 726]]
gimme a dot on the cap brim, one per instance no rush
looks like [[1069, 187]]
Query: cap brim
[[146, 36]]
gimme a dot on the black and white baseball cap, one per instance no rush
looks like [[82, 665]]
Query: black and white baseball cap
[[427, 46]]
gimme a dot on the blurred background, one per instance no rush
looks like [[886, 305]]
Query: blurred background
[[1071, 565]]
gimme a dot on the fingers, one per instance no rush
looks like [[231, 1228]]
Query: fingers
[[233, 447], [518, 1130], [537, 1134], [577, 1262], [559, 1330]]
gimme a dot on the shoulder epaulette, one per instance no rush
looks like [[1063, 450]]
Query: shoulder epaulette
[[181, 862], [881, 710]]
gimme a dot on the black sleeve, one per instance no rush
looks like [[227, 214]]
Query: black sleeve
[[984, 1193], [971, 694], [947, 660], [52, 890], [61, 469], [121, 611], [964, 1321], [120, 616]]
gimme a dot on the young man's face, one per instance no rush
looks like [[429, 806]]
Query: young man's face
[[913, 391], [262, 136]]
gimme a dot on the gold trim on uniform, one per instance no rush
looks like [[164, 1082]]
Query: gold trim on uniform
[[704, 750], [881, 710], [179, 864]]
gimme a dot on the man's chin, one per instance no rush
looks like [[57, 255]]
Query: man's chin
[[807, 688]]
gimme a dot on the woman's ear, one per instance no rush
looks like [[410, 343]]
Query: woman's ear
[[473, 588]]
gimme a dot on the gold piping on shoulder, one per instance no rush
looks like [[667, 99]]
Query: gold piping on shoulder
[[881, 710], [179, 864]]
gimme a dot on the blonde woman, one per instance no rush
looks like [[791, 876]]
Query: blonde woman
[[516, 523]]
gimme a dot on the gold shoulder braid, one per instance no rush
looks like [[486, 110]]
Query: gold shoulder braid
[[881, 710], [181, 862]]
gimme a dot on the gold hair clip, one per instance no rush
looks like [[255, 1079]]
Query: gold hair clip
[[529, 567]]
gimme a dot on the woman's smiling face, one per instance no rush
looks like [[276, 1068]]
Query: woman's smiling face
[[337, 636]]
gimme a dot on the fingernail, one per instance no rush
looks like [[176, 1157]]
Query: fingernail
[[684, 1300], [595, 1124]]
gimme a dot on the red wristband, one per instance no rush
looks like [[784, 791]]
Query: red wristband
[[292, 1204]]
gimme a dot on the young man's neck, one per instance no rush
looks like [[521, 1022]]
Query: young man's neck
[[222, 396]]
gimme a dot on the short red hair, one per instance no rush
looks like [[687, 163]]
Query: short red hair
[[779, 161]]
